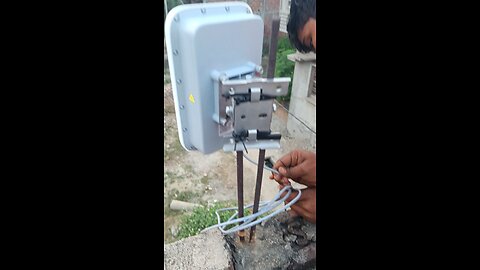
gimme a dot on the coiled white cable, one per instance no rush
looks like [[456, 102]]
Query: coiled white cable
[[264, 207]]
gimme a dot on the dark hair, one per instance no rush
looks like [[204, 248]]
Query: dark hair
[[300, 12]]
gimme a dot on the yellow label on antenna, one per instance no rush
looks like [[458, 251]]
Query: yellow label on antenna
[[192, 99]]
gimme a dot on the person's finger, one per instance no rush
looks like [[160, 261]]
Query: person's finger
[[295, 172], [277, 177], [288, 160], [282, 180]]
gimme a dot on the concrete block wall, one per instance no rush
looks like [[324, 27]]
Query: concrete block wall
[[301, 105], [205, 251]]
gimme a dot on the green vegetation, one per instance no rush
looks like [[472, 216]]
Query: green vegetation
[[203, 217], [284, 67]]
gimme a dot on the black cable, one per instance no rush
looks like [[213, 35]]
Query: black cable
[[296, 118]]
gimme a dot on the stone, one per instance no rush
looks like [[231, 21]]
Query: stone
[[205, 251], [274, 247], [289, 237], [309, 231], [306, 257], [301, 241]]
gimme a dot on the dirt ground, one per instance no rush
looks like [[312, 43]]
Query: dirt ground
[[204, 179]]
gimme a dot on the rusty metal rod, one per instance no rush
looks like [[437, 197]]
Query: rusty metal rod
[[272, 60], [272, 53], [258, 188], [241, 233]]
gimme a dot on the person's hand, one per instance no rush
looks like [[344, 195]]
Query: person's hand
[[298, 165], [306, 206]]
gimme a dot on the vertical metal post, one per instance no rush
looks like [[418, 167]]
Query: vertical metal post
[[272, 59], [258, 187], [241, 233], [272, 54]]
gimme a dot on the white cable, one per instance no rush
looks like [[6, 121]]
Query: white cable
[[265, 167], [249, 220], [264, 207]]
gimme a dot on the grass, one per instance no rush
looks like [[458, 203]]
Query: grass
[[175, 149], [203, 217]]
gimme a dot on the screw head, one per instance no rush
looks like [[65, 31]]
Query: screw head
[[175, 52], [185, 129], [179, 81], [182, 107], [176, 18], [203, 10], [227, 8]]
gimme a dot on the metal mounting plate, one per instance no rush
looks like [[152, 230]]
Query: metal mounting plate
[[201, 38]]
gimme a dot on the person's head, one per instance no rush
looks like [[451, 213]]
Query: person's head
[[301, 27]]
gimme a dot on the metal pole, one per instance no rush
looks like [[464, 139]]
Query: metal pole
[[258, 187], [272, 59], [272, 54], [241, 233]]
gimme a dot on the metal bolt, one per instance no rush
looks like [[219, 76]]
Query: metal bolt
[[185, 129], [179, 81], [183, 107], [231, 91], [227, 9], [203, 10], [175, 52], [176, 18]]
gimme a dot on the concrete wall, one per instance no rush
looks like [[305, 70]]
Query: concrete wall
[[301, 105], [205, 251]]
